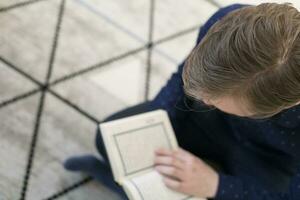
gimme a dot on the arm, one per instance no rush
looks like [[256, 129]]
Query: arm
[[280, 180], [171, 98], [231, 187]]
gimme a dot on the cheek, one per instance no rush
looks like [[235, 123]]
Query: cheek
[[206, 102], [232, 109]]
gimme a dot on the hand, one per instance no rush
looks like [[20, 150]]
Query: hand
[[186, 173]]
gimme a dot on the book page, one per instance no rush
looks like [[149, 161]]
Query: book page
[[150, 186], [131, 142], [136, 147]]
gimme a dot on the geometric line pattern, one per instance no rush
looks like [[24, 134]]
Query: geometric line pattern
[[149, 50], [41, 105], [18, 5], [46, 87]]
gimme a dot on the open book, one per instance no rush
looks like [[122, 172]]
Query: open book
[[130, 144]]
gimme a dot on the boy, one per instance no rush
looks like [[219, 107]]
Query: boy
[[245, 69]]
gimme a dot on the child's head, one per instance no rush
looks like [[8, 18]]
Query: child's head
[[248, 63]]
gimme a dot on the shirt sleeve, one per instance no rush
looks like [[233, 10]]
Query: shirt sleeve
[[234, 188], [171, 98]]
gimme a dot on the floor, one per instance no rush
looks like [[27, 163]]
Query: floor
[[65, 65]]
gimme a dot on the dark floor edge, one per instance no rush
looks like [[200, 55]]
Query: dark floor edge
[[19, 97], [33, 142], [70, 188], [19, 5], [150, 49]]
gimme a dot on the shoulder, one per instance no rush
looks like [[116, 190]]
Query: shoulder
[[289, 118]]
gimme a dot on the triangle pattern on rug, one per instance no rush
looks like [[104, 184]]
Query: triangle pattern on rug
[[27, 36]]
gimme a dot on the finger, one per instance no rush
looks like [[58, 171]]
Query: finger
[[183, 155], [168, 160], [164, 152], [170, 171], [171, 183], [183, 151]]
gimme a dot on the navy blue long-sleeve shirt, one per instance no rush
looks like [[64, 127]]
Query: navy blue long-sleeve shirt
[[266, 160]]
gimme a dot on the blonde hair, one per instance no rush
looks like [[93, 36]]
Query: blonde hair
[[253, 54]]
